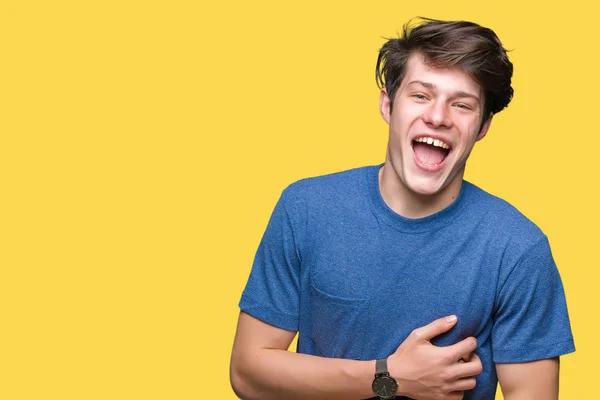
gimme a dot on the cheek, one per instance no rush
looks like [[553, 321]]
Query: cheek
[[402, 119], [408, 110], [468, 128]]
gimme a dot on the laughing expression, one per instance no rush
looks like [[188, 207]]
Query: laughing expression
[[434, 124]]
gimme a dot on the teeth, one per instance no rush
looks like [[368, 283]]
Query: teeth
[[435, 142]]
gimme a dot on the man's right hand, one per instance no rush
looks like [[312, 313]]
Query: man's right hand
[[424, 371]]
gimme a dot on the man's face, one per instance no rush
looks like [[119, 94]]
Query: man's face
[[434, 125]]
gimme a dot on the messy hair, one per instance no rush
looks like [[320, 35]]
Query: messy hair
[[443, 44]]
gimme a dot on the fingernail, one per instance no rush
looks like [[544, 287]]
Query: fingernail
[[451, 318]]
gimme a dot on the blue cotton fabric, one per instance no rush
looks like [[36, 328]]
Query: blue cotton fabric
[[354, 278]]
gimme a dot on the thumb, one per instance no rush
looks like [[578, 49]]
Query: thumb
[[435, 328]]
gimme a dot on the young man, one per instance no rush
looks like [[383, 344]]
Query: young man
[[402, 279]]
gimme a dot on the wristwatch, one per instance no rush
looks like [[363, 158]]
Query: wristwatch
[[384, 385]]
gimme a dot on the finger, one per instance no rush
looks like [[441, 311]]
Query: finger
[[435, 328], [461, 385], [466, 369], [462, 349], [475, 358], [455, 395], [466, 357]]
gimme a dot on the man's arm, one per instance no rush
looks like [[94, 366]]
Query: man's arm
[[530, 380], [262, 368]]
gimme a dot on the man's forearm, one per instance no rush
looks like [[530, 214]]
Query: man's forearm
[[262, 368], [276, 374]]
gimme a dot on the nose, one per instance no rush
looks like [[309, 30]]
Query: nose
[[437, 115]]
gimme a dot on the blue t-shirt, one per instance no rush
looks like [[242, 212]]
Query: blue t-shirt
[[354, 278]]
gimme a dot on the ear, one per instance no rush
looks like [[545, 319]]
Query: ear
[[485, 127], [385, 105]]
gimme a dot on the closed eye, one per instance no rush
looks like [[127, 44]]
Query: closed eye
[[463, 106], [419, 96]]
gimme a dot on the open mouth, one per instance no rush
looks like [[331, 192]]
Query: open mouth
[[430, 152]]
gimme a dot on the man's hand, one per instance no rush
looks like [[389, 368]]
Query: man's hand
[[425, 371]]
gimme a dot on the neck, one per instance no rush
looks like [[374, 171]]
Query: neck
[[414, 205]]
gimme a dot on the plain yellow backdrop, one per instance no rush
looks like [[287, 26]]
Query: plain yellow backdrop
[[143, 145]]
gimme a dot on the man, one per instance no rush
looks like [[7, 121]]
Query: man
[[402, 279]]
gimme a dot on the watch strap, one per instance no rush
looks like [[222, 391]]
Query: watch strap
[[381, 367]]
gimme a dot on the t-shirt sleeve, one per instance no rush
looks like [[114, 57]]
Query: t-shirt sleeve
[[531, 321], [272, 293]]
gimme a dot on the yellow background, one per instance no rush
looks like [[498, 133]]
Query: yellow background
[[143, 145]]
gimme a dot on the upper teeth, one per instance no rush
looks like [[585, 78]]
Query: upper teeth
[[435, 142]]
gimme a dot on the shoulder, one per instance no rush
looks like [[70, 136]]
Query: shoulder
[[503, 220], [521, 248], [311, 204], [334, 187]]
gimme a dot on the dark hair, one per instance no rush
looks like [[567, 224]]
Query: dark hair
[[471, 47]]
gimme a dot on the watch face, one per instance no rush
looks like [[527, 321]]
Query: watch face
[[385, 386]]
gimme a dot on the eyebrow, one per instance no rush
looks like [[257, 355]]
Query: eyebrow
[[431, 86]]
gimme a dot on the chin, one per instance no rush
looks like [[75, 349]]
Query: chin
[[426, 187]]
